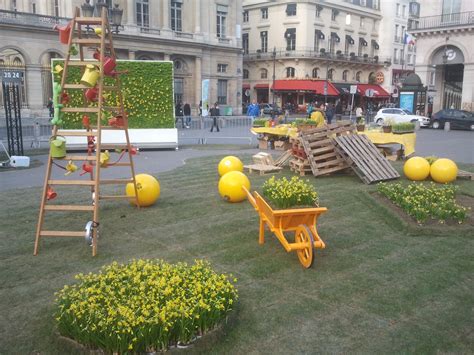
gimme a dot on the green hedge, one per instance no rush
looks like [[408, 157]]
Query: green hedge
[[147, 90]]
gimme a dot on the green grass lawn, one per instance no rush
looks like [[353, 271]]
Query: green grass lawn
[[380, 286]]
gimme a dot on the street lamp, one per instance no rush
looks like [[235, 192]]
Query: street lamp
[[274, 53], [116, 15]]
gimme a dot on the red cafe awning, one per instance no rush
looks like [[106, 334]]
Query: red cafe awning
[[261, 86], [245, 86], [314, 86], [379, 91]]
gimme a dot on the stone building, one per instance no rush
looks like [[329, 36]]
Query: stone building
[[201, 37], [311, 48], [445, 53]]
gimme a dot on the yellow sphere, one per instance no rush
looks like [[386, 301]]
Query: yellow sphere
[[444, 170], [229, 163], [148, 190], [416, 168], [230, 186]]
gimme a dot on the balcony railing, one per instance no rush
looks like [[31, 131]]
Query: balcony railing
[[28, 19], [443, 21], [322, 55]]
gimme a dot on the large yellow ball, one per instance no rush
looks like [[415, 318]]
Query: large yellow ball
[[230, 186], [148, 190], [229, 163], [416, 168], [444, 170]]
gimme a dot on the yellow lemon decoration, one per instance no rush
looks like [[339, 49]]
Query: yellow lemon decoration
[[444, 170], [230, 186], [148, 190], [416, 168], [229, 163]]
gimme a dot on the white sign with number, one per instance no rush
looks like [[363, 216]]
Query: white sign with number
[[353, 89]]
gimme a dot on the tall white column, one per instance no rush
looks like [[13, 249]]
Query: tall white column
[[130, 12], [197, 16], [197, 80], [34, 86], [166, 14], [131, 55], [467, 102]]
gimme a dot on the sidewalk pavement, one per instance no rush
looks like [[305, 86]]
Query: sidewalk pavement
[[150, 162]]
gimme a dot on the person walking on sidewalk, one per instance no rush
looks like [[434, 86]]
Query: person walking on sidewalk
[[187, 114], [214, 113], [178, 111], [253, 110]]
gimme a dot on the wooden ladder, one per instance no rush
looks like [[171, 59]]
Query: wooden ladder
[[81, 39]]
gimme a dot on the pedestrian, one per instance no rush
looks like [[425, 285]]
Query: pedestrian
[[330, 110], [253, 110], [50, 107], [359, 113], [178, 111], [187, 114], [287, 110], [215, 114], [338, 110], [200, 108], [309, 109]]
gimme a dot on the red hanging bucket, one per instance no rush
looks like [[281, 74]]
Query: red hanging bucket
[[64, 32]]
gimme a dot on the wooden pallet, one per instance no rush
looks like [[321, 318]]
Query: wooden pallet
[[319, 147], [283, 159], [297, 148], [465, 175], [300, 166], [263, 158], [364, 158], [263, 169]]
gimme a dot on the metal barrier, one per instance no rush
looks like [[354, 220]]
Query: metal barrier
[[232, 130], [33, 135]]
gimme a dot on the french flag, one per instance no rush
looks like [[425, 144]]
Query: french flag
[[409, 39]]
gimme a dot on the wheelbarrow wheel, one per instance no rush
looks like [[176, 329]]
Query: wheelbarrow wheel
[[303, 235]]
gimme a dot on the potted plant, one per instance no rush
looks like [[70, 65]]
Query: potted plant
[[304, 124], [360, 124], [402, 128], [260, 122], [387, 125]]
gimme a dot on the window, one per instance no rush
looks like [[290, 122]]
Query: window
[[13, 5], [397, 34], [404, 11], [290, 72], [264, 13], [315, 73], [178, 89], [222, 68], [358, 75], [402, 37], [398, 10], [319, 8], [395, 56], [345, 75], [290, 36], [221, 21], [56, 7], [178, 65], [33, 8], [334, 39], [246, 74], [402, 56], [263, 74], [372, 79], [331, 74], [362, 22], [362, 46], [176, 23], [142, 12], [318, 39], [264, 41], [245, 43], [222, 92], [409, 59], [291, 10], [348, 19], [245, 16], [334, 14]]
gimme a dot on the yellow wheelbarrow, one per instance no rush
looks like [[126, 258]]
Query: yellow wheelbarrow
[[300, 220]]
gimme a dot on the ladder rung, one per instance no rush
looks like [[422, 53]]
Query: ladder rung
[[80, 109], [113, 197], [83, 87], [116, 181], [109, 128], [119, 164], [111, 108], [68, 208], [86, 41], [77, 133], [72, 182], [62, 234], [89, 20], [80, 63], [79, 157], [114, 146]]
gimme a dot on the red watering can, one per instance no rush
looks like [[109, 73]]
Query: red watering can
[[65, 98], [91, 94], [87, 168], [109, 63], [50, 193], [117, 121], [85, 121], [133, 150], [64, 32]]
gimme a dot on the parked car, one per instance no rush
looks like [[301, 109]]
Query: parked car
[[457, 119], [400, 115], [267, 109]]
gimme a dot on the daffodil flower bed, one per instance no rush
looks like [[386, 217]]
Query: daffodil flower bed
[[144, 306], [425, 201], [284, 193]]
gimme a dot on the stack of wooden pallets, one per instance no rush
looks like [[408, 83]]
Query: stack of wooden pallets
[[299, 160]]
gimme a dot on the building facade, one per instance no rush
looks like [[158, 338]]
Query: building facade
[[310, 47], [201, 37], [445, 54]]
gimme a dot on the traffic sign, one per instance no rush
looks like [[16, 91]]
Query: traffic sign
[[325, 88], [353, 89]]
